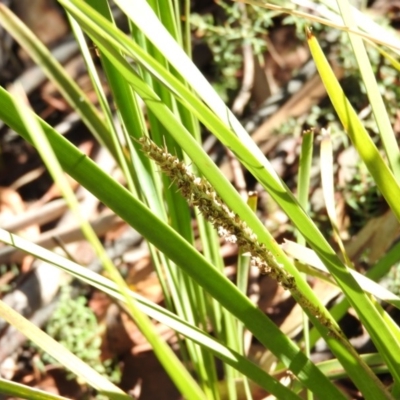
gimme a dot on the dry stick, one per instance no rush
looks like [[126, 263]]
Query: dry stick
[[200, 193], [244, 95]]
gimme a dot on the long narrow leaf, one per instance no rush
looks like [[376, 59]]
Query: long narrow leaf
[[374, 96], [24, 392], [61, 354]]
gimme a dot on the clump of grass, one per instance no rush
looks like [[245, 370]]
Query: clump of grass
[[194, 285]]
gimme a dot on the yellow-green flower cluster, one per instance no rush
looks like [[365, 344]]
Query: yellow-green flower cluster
[[201, 194]]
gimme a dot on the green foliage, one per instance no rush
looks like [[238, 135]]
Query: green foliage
[[225, 34], [74, 325], [178, 99]]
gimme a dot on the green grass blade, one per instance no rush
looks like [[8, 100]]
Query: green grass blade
[[303, 192], [303, 185], [103, 101], [24, 392]]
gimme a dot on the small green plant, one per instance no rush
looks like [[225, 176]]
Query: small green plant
[[225, 37], [74, 325]]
